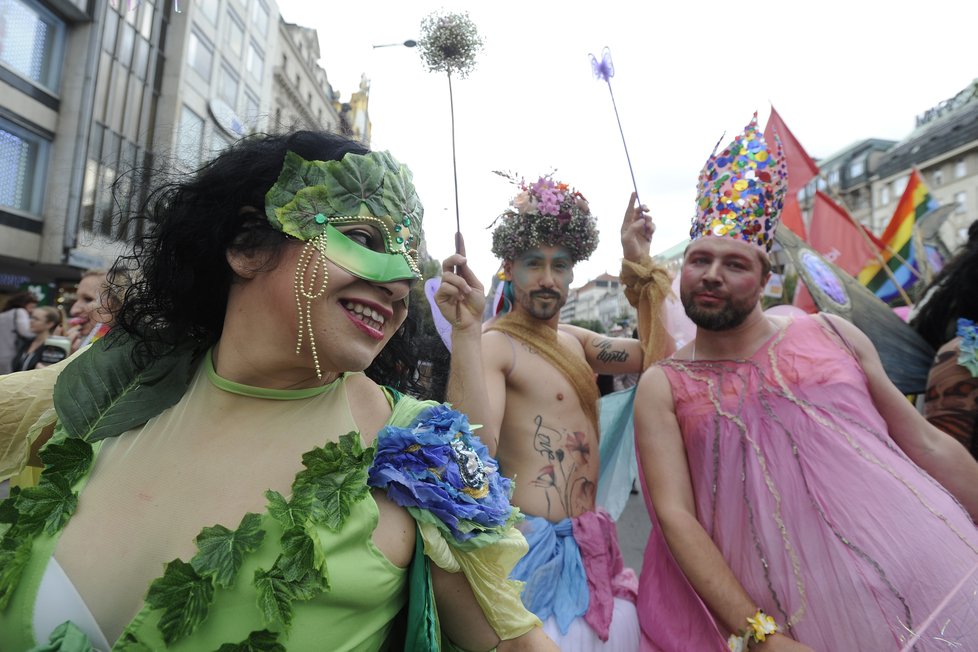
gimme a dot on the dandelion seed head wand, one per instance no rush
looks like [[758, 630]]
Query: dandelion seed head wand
[[449, 43], [604, 70]]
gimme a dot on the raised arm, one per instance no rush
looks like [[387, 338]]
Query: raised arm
[[646, 283], [663, 459], [477, 380], [937, 452]]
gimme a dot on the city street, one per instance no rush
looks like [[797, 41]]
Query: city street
[[633, 531]]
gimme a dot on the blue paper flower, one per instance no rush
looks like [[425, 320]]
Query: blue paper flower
[[440, 467], [968, 350]]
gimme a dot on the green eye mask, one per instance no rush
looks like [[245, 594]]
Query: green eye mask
[[312, 196], [376, 266]]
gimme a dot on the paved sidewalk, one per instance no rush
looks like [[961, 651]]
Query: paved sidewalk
[[633, 531]]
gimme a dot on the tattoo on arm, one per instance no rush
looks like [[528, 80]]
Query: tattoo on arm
[[607, 351]]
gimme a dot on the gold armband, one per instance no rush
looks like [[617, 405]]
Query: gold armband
[[647, 285]]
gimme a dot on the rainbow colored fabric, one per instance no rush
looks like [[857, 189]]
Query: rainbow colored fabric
[[898, 240]]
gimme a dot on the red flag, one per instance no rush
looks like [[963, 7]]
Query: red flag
[[791, 217], [801, 167], [835, 235]]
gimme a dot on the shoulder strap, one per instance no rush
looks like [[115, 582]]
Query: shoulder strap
[[822, 317]]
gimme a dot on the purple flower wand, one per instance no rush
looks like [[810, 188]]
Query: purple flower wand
[[605, 70]]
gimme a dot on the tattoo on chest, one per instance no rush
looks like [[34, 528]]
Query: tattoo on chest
[[528, 348], [607, 351], [566, 460]]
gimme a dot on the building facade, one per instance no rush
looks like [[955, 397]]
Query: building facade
[[97, 94], [601, 299]]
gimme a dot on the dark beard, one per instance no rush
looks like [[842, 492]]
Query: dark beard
[[729, 316], [540, 312]]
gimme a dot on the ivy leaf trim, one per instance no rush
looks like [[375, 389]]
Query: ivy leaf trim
[[46, 507], [220, 551], [114, 386], [302, 552], [13, 560], [335, 478], [276, 594], [67, 457], [289, 513], [184, 596], [261, 641]]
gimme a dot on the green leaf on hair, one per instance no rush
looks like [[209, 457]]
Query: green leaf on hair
[[220, 551], [184, 596]]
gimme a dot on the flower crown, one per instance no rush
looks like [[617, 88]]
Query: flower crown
[[546, 213]]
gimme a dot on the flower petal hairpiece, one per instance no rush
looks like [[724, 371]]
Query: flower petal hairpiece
[[545, 213]]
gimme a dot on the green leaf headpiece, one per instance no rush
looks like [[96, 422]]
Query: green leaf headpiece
[[311, 198]]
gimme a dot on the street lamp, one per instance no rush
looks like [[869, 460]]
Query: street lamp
[[410, 43]]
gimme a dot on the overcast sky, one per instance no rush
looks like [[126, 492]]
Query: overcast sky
[[838, 71]]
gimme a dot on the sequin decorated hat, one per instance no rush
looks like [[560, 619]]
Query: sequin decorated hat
[[741, 191]]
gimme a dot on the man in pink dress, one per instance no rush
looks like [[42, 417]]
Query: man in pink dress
[[800, 502]]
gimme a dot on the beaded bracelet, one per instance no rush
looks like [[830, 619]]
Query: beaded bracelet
[[759, 627]]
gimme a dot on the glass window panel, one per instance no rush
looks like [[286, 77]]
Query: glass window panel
[[102, 85], [255, 62], [210, 9], [33, 42], [133, 105], [126, 42], [111, 28], [22, 158], [227, 88], [141, 59], [189, 137], [251, 109], [235, 34], [200, 54], [146, 24], [117, 97], [259, 17]]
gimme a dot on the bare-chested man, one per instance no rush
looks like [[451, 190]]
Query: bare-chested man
[[530, 382]]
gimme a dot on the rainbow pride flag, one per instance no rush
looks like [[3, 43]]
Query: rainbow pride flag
[[899, 238]]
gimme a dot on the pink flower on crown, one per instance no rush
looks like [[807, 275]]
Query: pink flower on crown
[[549, 196]]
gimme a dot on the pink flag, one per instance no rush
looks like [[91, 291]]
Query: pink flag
[[836, 235]]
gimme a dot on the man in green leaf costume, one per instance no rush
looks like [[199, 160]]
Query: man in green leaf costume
[[213, 477]]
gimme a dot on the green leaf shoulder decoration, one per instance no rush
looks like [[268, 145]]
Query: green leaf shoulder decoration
[[113, 387]]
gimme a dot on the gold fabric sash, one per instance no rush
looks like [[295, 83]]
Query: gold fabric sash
[[543, 339]]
